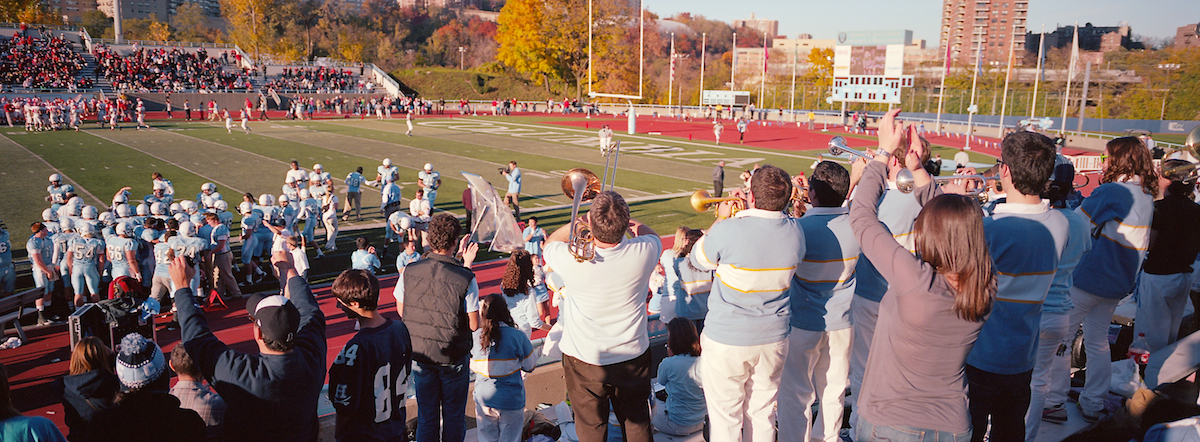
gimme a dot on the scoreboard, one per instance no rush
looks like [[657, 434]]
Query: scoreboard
[[869, 74]]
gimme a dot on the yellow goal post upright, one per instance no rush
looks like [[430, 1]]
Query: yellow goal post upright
[[632, 126]]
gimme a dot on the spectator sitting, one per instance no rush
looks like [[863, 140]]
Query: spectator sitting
[[683, 411], [194, 395], [314, 80], [89, 386], [40, 63], [145, 411], [17, 428], [365, 258]]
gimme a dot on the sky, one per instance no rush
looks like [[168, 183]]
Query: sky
[[825, 18]]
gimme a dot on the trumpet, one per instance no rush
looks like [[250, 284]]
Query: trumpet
[[702, 201], [904, 178]]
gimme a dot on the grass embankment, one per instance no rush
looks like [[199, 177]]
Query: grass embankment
[[453, 84]]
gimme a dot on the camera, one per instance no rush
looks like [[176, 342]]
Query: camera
[[502, 169]]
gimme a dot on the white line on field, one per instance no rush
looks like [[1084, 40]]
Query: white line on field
[[55, 169]]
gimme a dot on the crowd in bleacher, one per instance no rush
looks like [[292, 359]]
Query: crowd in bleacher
[[318, 79], [167, 69], [40, 63]]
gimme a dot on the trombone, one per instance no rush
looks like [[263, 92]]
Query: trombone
[[583, 185], [904, 178]]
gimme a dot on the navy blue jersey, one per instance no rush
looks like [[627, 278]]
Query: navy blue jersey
[[368, 382]]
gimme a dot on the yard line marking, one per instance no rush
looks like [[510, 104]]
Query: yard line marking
[[253, 153], [170, 162], [55, 169]]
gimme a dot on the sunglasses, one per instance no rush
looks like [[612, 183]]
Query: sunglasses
[[1103, 157]]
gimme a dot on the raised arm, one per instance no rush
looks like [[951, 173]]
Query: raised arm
[[894, 262]]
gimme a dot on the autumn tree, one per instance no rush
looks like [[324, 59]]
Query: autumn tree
[[547, 40], [190, 23], [250, 24]]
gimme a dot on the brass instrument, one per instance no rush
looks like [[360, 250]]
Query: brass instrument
[[702, 201], [980, 190], [1190, 146], [837, 146], [582, 185]]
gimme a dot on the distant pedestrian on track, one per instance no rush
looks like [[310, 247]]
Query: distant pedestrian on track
[[741, 127], [717, 129]]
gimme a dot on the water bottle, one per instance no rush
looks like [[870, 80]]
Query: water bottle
[[1139, 350]]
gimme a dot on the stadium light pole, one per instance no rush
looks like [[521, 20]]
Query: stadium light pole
[[703, 47], [1162, 114], [974, 82], [461, 50], [117, 21]]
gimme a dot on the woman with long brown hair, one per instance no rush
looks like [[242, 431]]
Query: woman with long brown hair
[[936, 304], [1120, 211], [90, 384], [524, 307], [683, 411], [500, 353]]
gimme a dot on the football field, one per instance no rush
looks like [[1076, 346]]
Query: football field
[[656, 172]]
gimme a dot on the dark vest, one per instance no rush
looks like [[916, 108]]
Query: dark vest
[[435, 292]]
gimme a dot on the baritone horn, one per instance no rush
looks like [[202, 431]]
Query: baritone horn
[[582, 185], [1190, 146], [837, 146], [702, 201]]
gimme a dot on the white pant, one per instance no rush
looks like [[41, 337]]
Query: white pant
[[1161, 301], [741, 385], [1095, 314], [817, 367], [498, 425], [864, 313], [1051, 372]]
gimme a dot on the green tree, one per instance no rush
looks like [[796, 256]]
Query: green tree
[[250, 24], [190, 23], [96, 23]]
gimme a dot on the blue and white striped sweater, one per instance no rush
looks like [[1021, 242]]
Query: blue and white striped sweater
[[755, 254], [1079, 242], [897, 211], [1025, 242], [1120, 216], [824, 282]]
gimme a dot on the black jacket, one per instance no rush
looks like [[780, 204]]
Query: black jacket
[[435, 292], [148, 416], [83, 395]]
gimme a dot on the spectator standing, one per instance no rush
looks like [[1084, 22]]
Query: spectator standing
[[273, 394], [935, 306], [500, 354], [89, 386], [683, 411], [408, 120], [606, 353], [535, 238], [718, 177], [142, 370], [1051, 370], [441, 298], [1120, 210], [818, 360], [1165, 280], [961, 159], [513, 195], [194, 395], [745, 338], [523, 303], [17, 428], [1025, 239], [369, 378]]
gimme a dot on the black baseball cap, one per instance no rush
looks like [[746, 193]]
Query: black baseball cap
[[276, 316]]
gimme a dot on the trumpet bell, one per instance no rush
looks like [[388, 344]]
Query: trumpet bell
[[837, 145], [578, 176]]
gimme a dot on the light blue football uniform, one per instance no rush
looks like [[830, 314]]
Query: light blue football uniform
[[85, 274], [354, 181], [117, 246], [311, 212], [189, 246], [44, 249], [8, 274], [431, 185], [250, 246]]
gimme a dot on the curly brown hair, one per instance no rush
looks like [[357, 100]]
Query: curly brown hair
[[444, 230], [1128, 158], [519, 274]]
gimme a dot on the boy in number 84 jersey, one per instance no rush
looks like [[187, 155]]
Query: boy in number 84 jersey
[[369, 379]]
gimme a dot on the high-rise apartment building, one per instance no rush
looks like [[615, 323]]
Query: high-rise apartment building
[[989, 26], [769, 28]]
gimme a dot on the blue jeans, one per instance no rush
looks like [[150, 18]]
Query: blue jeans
[[864, 431], [441, 401]]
